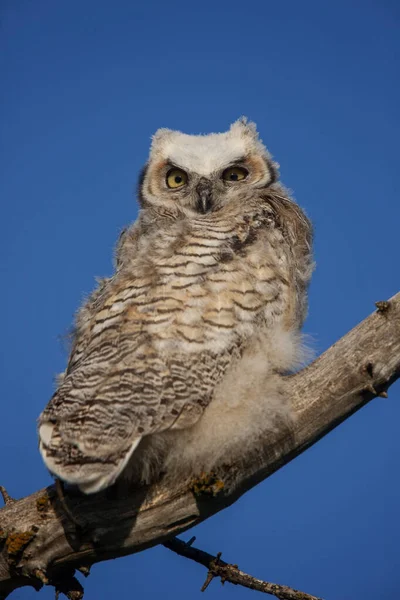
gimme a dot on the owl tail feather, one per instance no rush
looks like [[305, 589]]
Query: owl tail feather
[[89, 473]]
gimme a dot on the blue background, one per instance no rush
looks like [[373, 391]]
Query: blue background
[[84, 85]]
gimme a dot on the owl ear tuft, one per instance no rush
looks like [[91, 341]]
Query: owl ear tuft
[[247, 131], [245, 127], [160, 136]]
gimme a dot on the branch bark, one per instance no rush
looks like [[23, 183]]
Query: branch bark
[[39, 544], [219, 568]]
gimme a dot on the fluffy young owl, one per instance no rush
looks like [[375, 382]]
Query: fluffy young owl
[[174, 359]]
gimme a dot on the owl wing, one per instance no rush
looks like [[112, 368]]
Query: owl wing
[[118, 388]]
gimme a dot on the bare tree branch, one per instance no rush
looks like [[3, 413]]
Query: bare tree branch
[[39, 544], [218, 568]]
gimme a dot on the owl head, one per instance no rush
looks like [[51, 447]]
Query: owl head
[[199, 174]]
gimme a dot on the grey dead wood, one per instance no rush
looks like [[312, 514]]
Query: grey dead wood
[[40, 545]]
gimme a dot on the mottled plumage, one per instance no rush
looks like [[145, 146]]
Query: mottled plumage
[[212, 269]]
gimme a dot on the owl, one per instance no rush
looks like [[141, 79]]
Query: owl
[[175, 358]]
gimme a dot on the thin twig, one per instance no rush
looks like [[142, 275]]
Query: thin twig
[[6, 497], [218, 568]]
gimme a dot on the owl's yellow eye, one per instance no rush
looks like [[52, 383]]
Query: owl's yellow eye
[[234, 174], [176, 178]]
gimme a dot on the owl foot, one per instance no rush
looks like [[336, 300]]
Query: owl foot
[[206, 484]]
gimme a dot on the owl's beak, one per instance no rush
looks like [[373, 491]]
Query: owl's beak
[[204, 192]]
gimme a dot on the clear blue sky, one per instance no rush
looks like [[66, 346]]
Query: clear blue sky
[[84, 85]]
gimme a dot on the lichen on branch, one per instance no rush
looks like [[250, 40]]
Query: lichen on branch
[[37, 537]]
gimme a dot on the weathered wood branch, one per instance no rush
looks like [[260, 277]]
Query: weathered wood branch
[[219, 568], [39, 544]]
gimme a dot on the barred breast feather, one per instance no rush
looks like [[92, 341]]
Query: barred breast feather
[[154, 340]]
